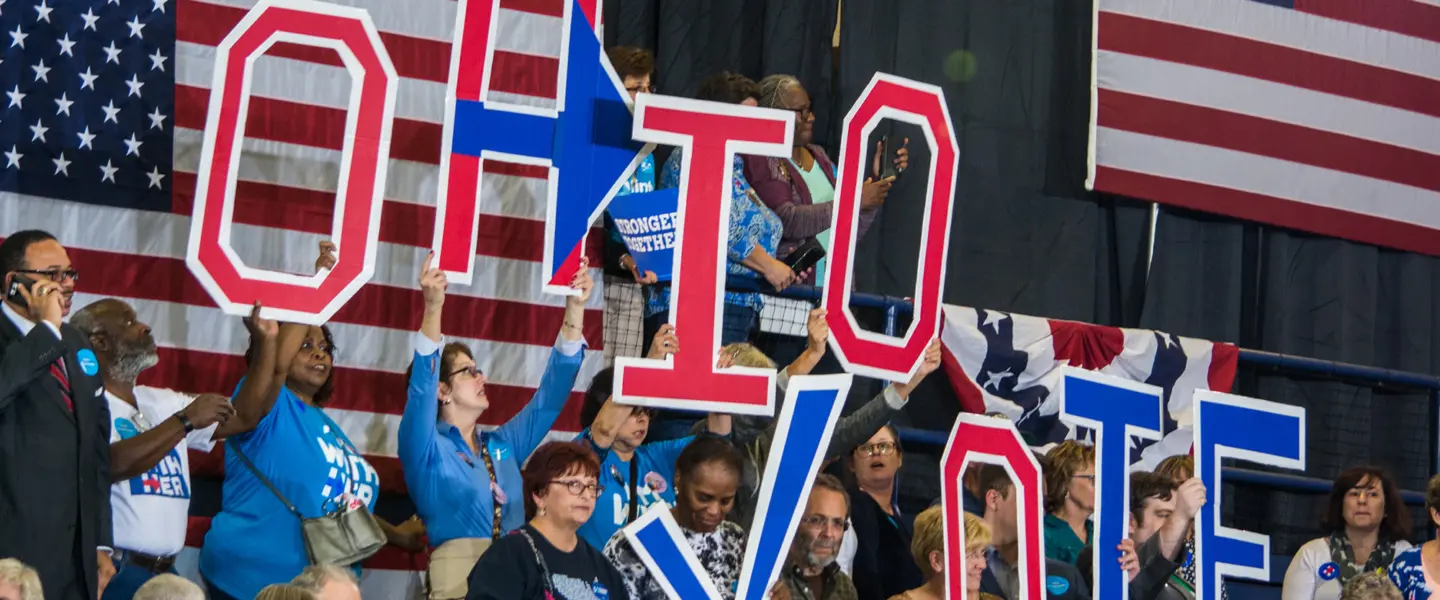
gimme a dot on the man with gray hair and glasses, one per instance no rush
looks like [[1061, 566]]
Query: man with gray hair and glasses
[[328, 582], [169, 587], [811, 572]]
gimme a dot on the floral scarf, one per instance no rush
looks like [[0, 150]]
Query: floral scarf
[[1343, 555], [1187, 570]]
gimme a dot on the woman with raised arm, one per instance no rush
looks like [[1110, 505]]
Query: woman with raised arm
[[466, 484], [292, 449], [636, 475]]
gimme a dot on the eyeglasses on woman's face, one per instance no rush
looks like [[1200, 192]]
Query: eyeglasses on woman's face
[[877, 449], [579, 488], [472, 370]]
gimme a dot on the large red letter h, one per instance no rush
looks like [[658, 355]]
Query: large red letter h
[[711, 134]]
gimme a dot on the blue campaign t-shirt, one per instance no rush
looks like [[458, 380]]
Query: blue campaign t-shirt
[[255, 541], [655, 471]]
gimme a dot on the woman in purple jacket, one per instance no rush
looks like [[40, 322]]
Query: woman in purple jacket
[[801, 188]]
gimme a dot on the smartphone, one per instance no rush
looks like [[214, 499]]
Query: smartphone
[[13, 292], [887, 162], [806, 256]]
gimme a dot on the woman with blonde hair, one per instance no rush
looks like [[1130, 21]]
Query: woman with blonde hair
[[928, 547], [19, 581], [1069, 500]]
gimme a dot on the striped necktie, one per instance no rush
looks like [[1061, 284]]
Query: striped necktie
[[57, 370]]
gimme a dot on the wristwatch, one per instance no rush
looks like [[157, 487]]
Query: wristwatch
[[189, 427]]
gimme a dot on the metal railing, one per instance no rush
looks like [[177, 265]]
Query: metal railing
[[1372, 376]]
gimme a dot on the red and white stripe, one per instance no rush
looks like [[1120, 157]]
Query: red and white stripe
[[284, 204], [1323, 117]]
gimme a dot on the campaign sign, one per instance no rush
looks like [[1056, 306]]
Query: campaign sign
[[647, 223]]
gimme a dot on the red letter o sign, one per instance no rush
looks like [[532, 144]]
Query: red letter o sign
[[863, 352], [314, 298]]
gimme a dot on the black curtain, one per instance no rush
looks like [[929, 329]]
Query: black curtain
[[693, 38], [1026, 236]]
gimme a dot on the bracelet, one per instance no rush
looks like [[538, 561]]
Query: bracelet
[[189, 427], [571, 325]]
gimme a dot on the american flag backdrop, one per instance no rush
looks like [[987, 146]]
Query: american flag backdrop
[[101, 133], [1007, 363], [1320, 115]]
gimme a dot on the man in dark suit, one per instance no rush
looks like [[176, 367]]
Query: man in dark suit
[[54, 426]]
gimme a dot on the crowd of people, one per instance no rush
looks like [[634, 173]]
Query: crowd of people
[[505, 515]]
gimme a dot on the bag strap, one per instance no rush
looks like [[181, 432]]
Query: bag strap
[[634, 474], [263, 479], [544, 569]]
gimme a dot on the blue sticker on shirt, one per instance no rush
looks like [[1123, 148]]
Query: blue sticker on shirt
[[89, 365], [600, 592], [1057, 585], [126, 428], [1329, 571]]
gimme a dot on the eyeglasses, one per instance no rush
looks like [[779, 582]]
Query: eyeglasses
[[323, 347], [635, 89], [975, 554], [53, 274], [822, 521], [579, 488], [473, 370], [804, 112], [1091, 478], [878, 449]]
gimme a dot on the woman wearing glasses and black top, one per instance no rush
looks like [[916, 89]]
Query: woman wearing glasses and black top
[[546, 559], [466, 484], [883, 563]]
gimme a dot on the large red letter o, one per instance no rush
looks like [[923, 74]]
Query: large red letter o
[[981, 439], [307, 299], [863, 352]]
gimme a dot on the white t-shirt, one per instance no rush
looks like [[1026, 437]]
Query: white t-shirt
[[151, 511], [1312, 575]]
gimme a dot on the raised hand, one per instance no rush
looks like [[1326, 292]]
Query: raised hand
[[582, 281], [665, 343], [817, 330], [433, 283], [1190, 498], [259, 326], [902, 156], [209, 409], [932, 359], [1129, 561], [326, 260]]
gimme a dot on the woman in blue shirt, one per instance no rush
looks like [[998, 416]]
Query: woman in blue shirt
[[466, 484], [617, 434], [255, 540]]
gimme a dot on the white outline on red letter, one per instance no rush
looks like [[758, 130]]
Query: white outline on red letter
[[311, 299], [863, 352]]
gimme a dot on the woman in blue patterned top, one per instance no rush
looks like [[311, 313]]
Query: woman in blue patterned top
[[755, 233], [1416, 571]]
